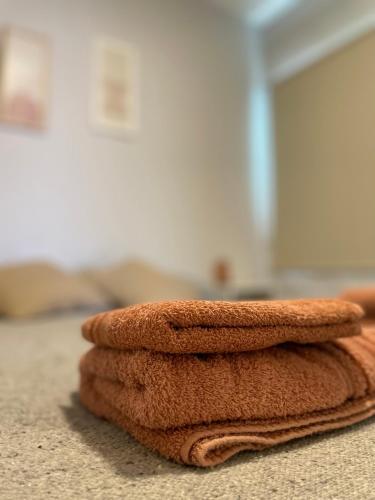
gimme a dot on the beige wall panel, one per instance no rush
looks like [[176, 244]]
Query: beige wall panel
[[325, 147]]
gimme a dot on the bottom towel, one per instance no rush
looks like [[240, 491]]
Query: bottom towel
[[339, 378], [210, 444]]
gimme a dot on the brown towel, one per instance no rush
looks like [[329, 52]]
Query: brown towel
[[205, 326], [202, 408]]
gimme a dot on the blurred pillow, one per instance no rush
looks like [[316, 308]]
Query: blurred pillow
[[39, 287], [364, 296], [134, 282]]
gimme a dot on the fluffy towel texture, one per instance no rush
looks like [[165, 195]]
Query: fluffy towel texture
[[204, 326], [201, 409]]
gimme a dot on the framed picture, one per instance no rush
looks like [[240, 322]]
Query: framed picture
[[24, 77], [115, 87]]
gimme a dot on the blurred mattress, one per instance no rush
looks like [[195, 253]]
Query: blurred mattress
[[51, 447]]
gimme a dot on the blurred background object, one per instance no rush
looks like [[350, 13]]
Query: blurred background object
[[254, 140], [222, 277], [115, 87], [25, 76]]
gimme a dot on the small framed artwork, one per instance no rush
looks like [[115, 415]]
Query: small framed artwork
[[115, 87], [24, 77]]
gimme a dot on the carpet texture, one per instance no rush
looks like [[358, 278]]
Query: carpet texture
[[51, 447]]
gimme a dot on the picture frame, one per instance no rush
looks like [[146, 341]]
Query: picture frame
[[115, 93], [25, 65]]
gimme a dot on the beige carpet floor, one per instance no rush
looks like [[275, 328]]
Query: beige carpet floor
[[51, 447]]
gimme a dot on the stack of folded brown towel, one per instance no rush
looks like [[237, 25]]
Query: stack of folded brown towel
[[199, 381], [365, 297]]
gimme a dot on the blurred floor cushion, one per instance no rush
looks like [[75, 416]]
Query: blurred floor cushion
[[34, 288], [364, 296], [134, 282]]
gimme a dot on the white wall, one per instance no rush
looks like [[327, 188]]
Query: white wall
[[178, 195]]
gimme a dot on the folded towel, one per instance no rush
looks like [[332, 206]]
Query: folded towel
[[365, 297], [205, 326], [202, 408]]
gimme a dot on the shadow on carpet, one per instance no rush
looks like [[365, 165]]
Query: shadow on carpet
[[129, 458]]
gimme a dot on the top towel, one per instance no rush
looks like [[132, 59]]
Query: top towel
[[199, 326]]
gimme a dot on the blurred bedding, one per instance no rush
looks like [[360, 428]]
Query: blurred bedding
[[135, 281], [36, 288], [365, 297]]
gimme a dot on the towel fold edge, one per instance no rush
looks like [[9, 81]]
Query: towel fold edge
[[212, 444]]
